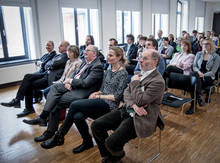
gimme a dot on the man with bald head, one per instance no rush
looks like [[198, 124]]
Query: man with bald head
[[85, 80], [139, 115]]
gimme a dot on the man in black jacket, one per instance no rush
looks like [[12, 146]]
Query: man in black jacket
[[39, 81], [44, 65], [85, 80], [131, 54]]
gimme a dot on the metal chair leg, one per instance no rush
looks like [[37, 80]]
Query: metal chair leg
[[156, 155]]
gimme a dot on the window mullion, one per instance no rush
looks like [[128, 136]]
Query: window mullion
[[3, 36], [89, 21], [24, 32], [123, 41], [76, 26]]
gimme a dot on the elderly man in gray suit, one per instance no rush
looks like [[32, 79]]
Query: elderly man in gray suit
[[140, 114], [85, 80]]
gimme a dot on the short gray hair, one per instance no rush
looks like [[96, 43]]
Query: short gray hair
[[51, 42], [155, 56], [95, 49]]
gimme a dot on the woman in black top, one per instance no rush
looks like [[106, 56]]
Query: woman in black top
[[98, 104]]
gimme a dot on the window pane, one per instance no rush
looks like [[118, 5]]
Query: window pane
[[127, 23], [69, 25], [185, 16], [1, 48], [136, 23], [157, 24], [164, 24], [179, 7], [14, 36], [94, 24], [119, 26], [199, 24], [30, 32], [178, 25], [82, 16]]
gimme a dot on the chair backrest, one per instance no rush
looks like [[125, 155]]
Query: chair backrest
[[182, 82]]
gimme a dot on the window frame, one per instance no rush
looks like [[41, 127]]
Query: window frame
[[76, 30], [181, 17], [123, 24], [4, 39]]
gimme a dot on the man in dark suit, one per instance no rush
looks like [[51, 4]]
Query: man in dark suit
[[131, 54], [85, 80], [39, 81], [140, 114], [44, 65]]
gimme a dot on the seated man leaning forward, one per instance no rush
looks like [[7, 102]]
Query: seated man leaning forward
[[140, 114], [85, 80]]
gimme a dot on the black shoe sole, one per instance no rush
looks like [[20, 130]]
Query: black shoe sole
[[23, 115]]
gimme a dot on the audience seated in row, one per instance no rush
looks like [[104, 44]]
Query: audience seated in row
[[98, 104], [39, 81], [85, 80]]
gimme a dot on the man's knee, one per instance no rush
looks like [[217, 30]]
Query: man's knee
[[95, 126], [78, 117]]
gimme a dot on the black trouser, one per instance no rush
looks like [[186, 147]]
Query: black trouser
[[29, 83], [202, 82], [78, 112], [170, 69], [123, 126]]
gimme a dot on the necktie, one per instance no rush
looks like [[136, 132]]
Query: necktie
[[80, 72]]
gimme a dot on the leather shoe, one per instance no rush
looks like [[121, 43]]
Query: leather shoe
[[83, 147], [56, 140], [14, 102], [45, 136], [35, 121], [25, 112]]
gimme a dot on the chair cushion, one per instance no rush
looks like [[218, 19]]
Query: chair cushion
[[172, 100]]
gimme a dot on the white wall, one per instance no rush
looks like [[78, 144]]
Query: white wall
[[15, 73], [49, 22]]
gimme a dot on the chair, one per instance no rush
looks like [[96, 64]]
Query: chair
[[211, 89], [140, 141], [181, 82]]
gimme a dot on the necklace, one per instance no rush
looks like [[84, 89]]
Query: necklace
[[116, 69]]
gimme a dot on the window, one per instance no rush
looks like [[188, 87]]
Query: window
[[199, 24], [16, 43], [79, 22], [128, 22], [179, 18], [160, 21], [182, 17]]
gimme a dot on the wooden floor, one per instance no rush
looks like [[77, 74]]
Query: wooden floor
[[199, 143]]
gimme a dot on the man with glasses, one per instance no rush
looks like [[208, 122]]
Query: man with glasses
[[152, 44], [85, 80]]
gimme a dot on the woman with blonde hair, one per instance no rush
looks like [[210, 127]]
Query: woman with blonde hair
[[98, 104], [205, 66]]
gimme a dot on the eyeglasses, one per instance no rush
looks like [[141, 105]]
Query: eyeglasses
[[88, 50]]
